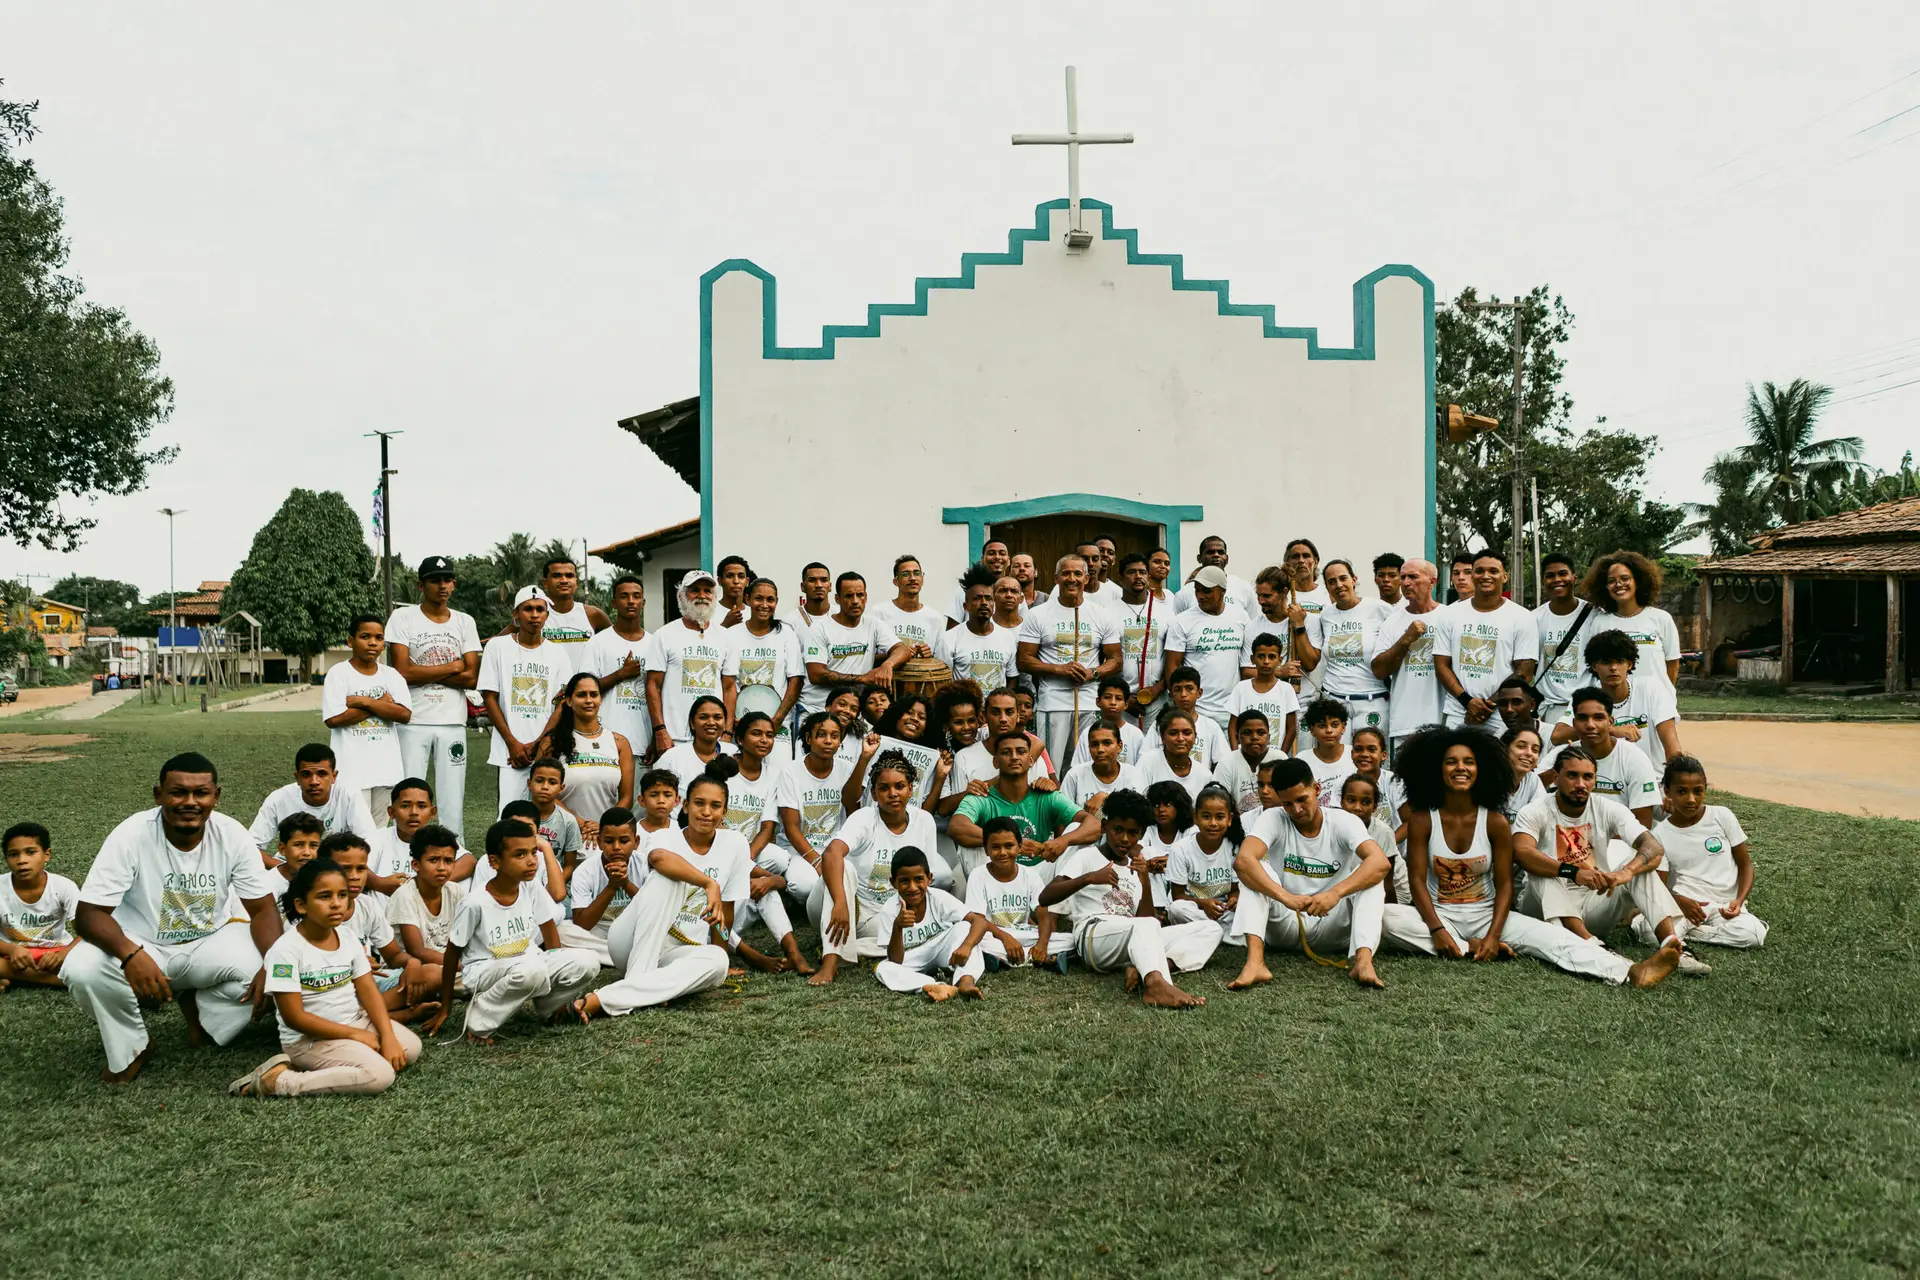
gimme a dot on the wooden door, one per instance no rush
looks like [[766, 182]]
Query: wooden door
[[1047, 538]]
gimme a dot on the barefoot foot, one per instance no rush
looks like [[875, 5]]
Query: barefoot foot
[[483, 1042], [970, 989], [189, 1003], [1656, 966], [940, 992], [1252, 975], [1162, 994], [1361, 970], [829, 966], [128, 1072], [1133, 979]]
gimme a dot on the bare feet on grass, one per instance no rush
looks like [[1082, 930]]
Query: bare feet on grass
[[970, 989], [1657, 966], [587, 1008], [1360, 969], [1133, 980], [126, 1074], [940, 992], [1252, 974], [1162, 994], [829, 966]]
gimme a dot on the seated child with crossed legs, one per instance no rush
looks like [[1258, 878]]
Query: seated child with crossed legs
[[36, 910], [928, 930], [406, 984], [1006, 895]]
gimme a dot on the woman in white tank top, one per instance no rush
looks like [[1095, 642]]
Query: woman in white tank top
[[598, 760]]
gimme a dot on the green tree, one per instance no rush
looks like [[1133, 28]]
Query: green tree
[[516, 564], [22, 651], [308, 572], [1591, 482], [1736, 513], [108, 602], [1785, 464], [80, 388]]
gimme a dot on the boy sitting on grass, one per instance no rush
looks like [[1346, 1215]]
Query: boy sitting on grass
[[1006, 895], [603, 886], [929, 930], [507, 925], [421, 911], [390, 862], [404, 982], [300, 837], [36, 910]]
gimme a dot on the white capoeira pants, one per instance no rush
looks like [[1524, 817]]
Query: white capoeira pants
[[513, 785], [655, 966], [1745, 930], [1060, 730], [1187, 911], [551, 979], [220, 968], [863, 938], [591, 941], [378, 800], [444, 746], [1059, 942], [1364, 713], [1353, 924], [1107, 943], [1551, 943], [775, 910], [340, 1066], [920, 967], [1553, 899]]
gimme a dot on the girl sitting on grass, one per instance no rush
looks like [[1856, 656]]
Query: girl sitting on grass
[[335, 1035]]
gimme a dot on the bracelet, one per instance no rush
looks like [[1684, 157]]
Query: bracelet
[[130, 955], [1567, 871]]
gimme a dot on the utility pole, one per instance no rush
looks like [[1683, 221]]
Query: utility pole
[[173, 621], [1516, 443], [386, 517]]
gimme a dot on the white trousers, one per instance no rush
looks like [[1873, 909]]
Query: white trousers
[[378, 800], [769, 909], [657, 967], [798, 872], [1060, 730], [591, 941], [863, 938], [1107, 943], [1059, 943], [1550, 943], [918, 968], [1553, 899], [1745, 930], [1353, 925], [513, 785], [1187, 911], [219, 967], [1365, 713], [444, 746], [551, 979]]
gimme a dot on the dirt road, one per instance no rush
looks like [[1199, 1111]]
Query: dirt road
[[39, 699], [1852, 768]]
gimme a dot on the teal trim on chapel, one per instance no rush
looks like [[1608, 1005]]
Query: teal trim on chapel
[[979, 519], [1017, 240]]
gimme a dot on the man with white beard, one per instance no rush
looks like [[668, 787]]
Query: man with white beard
[[683, 661]]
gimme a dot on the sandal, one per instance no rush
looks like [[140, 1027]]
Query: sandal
[[249, 1085]]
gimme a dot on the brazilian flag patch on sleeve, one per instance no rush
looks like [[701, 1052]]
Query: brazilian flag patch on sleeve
[[283, 971]]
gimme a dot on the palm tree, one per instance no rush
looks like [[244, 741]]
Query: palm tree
[[1787, 465], [517, 562], [1737, 512]]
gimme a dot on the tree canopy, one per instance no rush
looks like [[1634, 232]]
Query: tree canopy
[[80, 389], [308, 572], [1592, 481]]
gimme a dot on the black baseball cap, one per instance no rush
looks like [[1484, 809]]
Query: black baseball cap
[[436, 567]]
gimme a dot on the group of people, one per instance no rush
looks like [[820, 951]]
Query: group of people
[[1116, 772]]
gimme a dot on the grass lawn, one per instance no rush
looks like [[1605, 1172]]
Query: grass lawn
[[1505, 1120]]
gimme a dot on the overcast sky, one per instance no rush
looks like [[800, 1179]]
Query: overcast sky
[[484, 225]]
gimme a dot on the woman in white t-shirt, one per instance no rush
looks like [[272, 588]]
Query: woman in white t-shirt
[[599, 760], [1174, 761], [335, 1035], [1622, 588], [707, 720], [1523, 744]]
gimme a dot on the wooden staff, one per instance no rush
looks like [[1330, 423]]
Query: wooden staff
[[1074, 739]]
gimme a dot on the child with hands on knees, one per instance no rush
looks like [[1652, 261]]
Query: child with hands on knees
[[928, 932], [404, 981], [36, 910]]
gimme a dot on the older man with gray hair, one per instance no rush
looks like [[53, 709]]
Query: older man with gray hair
[[1405, 654], [1067, 644], [683, 661]]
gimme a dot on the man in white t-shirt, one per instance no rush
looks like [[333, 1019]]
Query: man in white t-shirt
[[1579, 849], [1645, 711], [618, 656], [848, 647], [685, 660], [362, 702], [1561, 621], [155, 920], [521, 676], [1405, 654], [1066, 645], [816, 596], [978, 649], [1213, 554], [910, 621], [1210, 638], [1021, 569], [314, 790], [1307, 599], [1100, 589], [436, 650], [995, 557], [1311, 880], [1341, 642], [1480, 642], [1144, 622], [1622, 771], [1386, 579], [569, 621]]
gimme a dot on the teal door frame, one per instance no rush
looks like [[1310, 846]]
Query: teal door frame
[[979, 519]]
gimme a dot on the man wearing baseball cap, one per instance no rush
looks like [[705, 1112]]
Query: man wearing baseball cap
[[521, 675], [436, 650], [1208, 638]]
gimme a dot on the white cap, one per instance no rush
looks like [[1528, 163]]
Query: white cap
[[525, 594]]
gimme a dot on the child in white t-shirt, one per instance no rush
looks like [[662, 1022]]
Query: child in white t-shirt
[[1111, 704], [406, 983], [1006, 895], [421, 910], [929, 931], [1329, 758], [335, 1034], [1708, 867], [1360, 796], [1172, 817], [507, 928], [604, 884], [1201, 883], [36, 910], [1268, 694]]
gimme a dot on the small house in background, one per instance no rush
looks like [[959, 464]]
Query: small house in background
[[1823, 602], [61, 627]]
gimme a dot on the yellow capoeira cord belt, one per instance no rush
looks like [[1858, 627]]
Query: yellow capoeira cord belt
[[1311, 953]]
